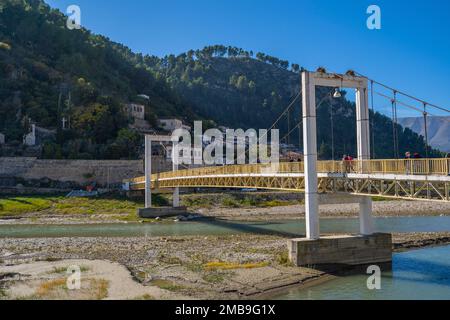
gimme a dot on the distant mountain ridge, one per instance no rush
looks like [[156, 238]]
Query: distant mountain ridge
[[438, 130]]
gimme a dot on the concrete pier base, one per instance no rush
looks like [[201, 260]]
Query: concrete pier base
[[342, 250], [161, 212]]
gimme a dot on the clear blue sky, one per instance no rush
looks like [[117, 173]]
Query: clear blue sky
[[411, 52]]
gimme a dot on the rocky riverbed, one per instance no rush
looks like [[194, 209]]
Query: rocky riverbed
[[289, 212], [398, 208], [215, 267]]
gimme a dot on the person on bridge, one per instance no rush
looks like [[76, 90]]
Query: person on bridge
[[348, 163], [408, 162]]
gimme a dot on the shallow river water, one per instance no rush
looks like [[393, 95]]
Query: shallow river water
[[419, 275], [292, 228]]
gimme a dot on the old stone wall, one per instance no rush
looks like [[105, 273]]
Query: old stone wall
[[76, 172]]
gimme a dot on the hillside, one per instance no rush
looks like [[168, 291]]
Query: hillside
[[438, 130], [48, 71], [44, 65]]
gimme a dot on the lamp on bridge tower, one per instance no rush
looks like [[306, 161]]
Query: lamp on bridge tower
[[337, 93]]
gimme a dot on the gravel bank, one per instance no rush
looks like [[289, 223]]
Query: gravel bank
[[219, 267], [380, 209]]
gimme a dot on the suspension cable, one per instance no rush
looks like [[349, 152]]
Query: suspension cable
[[289, 125], [301, 120], [373, 118], [425, 118], [394, 125], [286, 110], [405, 94], [409, 106], [332, 128]]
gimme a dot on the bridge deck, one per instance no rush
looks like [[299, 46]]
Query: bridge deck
[[418, 179]]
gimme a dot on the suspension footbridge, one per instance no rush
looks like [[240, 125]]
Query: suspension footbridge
[[419, 179], [413, 179]]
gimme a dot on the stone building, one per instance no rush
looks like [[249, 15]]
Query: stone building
[[136, 113], [173, 124], [2, 139]]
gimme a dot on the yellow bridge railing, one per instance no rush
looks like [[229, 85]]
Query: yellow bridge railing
[[434, 167]]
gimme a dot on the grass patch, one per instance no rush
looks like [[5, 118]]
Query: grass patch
[[51, 259], [59, 270], [278, 203], [196, 263], [48, 287], [144, 297], [20, 205], [261, 202], [234, 200], [97, 289], [378, 199], [100, 288], [214, 277], [59, 205], [199, 202], [283, 259], [3, 294], [169, 259], [220, 265], [166, 285]]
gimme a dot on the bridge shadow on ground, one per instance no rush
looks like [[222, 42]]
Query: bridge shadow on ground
[[257, 228]]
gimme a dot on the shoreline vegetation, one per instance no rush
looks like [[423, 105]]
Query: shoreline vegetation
[[252, 206], [244, 266]]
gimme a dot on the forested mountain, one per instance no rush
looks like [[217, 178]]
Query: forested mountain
[[47, 71]]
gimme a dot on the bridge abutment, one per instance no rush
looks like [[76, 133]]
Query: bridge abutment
[[341, 250]]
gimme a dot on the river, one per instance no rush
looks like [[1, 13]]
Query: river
[[290, 228], [416, 275]]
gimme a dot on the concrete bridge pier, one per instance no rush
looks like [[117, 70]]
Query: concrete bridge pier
[[176, 191], [366, 227]]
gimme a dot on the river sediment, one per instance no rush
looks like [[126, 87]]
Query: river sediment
[[398, 208], [191, 267]]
